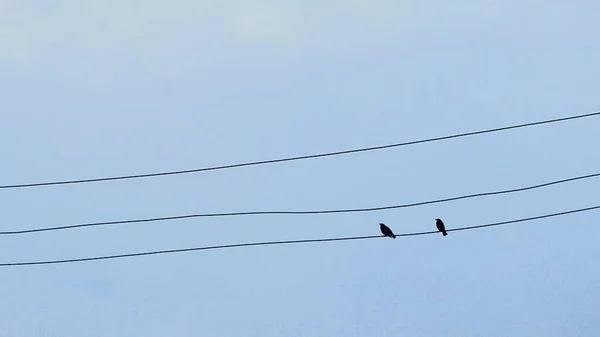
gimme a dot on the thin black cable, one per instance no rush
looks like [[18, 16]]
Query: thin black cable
[[280, 160], [349, 210], [170, 251]]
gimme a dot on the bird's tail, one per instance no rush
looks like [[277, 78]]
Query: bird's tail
[[444, 232]]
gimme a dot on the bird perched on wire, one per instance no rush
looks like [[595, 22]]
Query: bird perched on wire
[[440, 226], [385, 230]]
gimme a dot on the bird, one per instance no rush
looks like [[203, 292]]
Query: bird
[[385, 230], [440, 226]]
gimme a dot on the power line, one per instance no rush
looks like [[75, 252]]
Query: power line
[[348, 210], [312, 156], [265, 243]]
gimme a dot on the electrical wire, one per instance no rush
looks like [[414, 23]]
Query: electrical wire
[[237, 245], [349, 210], [313, 156]]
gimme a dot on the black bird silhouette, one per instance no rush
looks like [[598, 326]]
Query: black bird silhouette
[[385, 230], [440, 226]]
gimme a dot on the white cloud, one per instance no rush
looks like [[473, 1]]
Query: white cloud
[[32, 31]]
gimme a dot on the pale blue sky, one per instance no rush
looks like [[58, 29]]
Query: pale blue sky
[[100, 88]]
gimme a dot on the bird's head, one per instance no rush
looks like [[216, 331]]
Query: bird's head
[[438, 220], [381, 224]]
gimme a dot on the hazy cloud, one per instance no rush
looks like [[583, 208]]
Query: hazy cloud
[[34, 30]]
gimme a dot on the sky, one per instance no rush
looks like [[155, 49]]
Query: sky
[[103, 88]]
